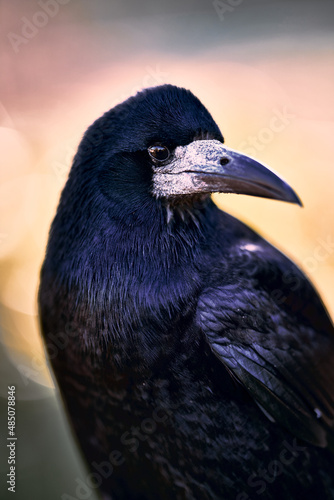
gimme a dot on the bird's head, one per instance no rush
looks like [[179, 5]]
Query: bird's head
[[163, 144]]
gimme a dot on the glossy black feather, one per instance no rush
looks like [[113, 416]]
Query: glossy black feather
[[274, 339], [165, 335]]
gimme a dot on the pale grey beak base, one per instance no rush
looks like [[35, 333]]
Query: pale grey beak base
[[207, 166]]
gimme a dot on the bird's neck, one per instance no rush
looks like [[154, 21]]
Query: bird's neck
[[111, 245], [144, 271], [166, 240]]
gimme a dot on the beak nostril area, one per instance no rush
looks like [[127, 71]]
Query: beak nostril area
[[224, 160]]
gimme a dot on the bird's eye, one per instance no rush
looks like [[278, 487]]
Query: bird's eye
[[158, 152]]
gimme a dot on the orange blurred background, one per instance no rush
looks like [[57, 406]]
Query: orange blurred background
[[263, 69]]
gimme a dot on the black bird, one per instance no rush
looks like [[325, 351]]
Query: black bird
[[195, 360]]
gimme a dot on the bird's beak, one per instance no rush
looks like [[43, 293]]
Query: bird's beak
[[207, 166]]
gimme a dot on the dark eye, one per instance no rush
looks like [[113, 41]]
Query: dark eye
[[158, 152]]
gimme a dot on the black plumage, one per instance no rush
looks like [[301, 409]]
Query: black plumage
[[195, 360]]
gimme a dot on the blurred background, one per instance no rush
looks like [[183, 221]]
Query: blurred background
[[265, 71]]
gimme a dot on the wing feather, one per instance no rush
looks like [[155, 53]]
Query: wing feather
[[280, 350]]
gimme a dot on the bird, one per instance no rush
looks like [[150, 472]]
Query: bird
[[195, 361]]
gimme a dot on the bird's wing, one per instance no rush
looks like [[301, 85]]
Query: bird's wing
[[265, 322]]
